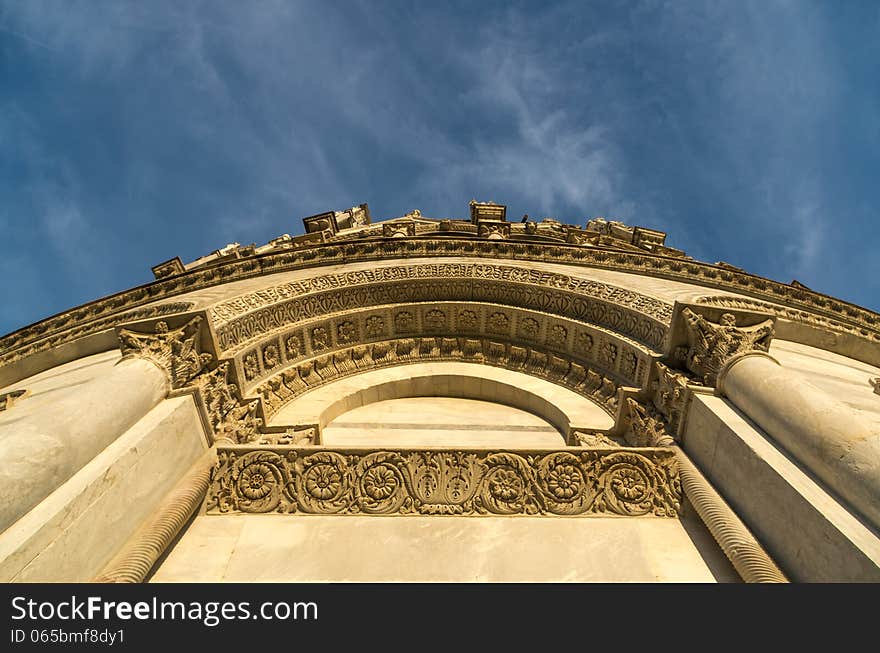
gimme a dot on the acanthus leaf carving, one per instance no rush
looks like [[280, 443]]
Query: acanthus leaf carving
[[711, 345], [669, 395], [176, 351], [230, 419], [645, 428]]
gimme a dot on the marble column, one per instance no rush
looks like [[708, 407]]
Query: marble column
[[39, 453], [833, 441]]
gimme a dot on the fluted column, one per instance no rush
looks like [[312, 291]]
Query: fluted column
[[39, 453], [835, 442]]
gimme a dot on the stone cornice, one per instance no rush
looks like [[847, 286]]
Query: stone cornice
[[100, 314]]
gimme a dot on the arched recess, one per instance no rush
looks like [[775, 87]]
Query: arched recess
[[564, 409]]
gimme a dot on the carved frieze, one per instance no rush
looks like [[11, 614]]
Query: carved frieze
[[577, 482], [454, 320], [176, 351], [711, 345], [494, 229], [800, 305], [629, 323], [657, 309]]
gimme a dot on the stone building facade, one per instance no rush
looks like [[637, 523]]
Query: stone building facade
[[444, 399]]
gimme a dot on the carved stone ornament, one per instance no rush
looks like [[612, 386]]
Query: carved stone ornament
[[669, 395], [875, 383], [595, 440], [307, 375], [577, 482], [645, 427], [231, 420], [174, 351], [711, 345], [7, 399]]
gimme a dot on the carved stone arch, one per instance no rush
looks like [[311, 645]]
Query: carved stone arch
[[619, 358], [288, 383], [241, 321]]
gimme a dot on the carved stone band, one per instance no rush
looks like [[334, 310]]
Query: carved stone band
[[318, 481]]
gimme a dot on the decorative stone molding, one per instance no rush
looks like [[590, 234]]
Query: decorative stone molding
[[711, 346], [7, 399], [670, 396], [645, 427], [400, 229], [577, 482], [231, 420], [494, 229], [659, 310], [814, 318], [175, 351], [618, 357], [634, 316], [875, 383], [104, 313], [294, 381]]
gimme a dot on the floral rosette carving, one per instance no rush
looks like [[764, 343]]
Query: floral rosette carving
[[381, 484], [506, 487], [564, 483], [257, 480], [628, 484], [322, 483]]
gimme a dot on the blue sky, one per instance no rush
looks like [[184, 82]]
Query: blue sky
[[131, 132]]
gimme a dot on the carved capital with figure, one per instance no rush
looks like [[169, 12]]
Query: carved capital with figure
[[711, 345], [176, 351]]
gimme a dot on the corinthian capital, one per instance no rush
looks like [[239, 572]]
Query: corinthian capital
[[645, 428], [711, 346], [176, 351]]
